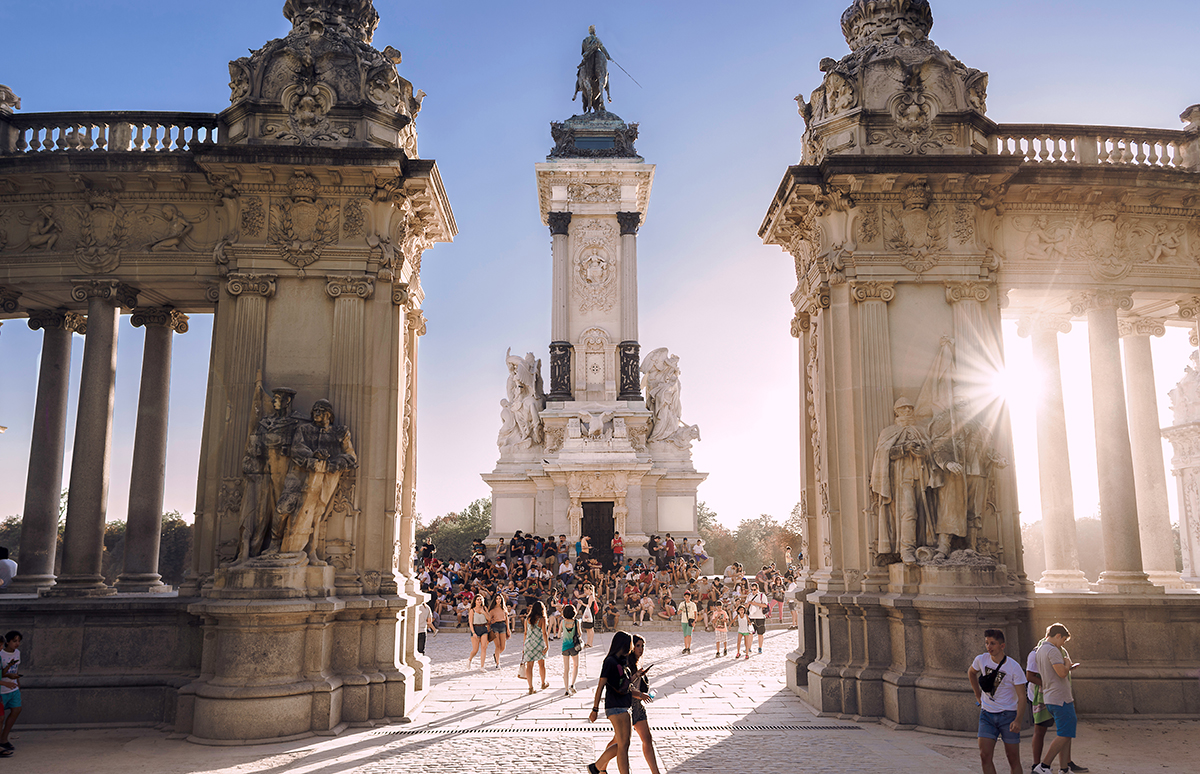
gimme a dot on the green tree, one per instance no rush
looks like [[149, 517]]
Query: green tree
[[10, 537], [719, 541], [174, 548], [454, 532]]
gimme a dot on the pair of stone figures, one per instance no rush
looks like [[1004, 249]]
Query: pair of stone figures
[[292, 468], [931, 482]]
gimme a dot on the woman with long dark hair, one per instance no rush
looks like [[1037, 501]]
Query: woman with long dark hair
[[637, 714], [535, 643], [479, 630], [498, 622], [616, 684]]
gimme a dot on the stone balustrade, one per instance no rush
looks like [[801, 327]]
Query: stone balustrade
[[1113, 145], [150, 132]]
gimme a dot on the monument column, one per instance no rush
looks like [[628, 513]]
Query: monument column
[[1154, 515], [560, 334], [1114, 457], [1054, 463], [631, 387], [875, 362], [87, 503], [143, 529], [39, 523]]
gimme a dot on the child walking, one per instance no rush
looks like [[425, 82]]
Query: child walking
[[720, 623], [10, 688], [745, 631]]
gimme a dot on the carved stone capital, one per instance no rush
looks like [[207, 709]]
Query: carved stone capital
[[1042, 322], [1084, 301], [967, 291], [8, 299], [1189, 308], [253, 284], [1194, 338], [162, 317], [800, 323], [212, 293], [559, 223], [629, 222], [361, 286], [873, 290], [57, 318], [416, 321], [400, 293], [1141, 326], [110, 290]]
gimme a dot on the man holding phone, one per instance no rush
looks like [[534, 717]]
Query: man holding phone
[[1056, 692]]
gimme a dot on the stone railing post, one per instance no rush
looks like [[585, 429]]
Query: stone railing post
[[39, 522], [87, 503], [1054, 464]]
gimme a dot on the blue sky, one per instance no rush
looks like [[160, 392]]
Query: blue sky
[[718, 120]]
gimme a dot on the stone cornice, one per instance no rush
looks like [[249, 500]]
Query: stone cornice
[[873, 290], [1141, 326], [360, 286], [1042, 322], [57, 318], [1084, 301], [110, 290], [160, 317], [967, 291], [253, 284]]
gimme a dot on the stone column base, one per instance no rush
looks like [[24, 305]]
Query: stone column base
[[79, 586], [1116, 582], [1064, 579], [141, 583], [1167, 580]]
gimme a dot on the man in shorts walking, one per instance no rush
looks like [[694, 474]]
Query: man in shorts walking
[[997, 681], [757, 604], [1055, 672], [1043, 721], [687, 615]]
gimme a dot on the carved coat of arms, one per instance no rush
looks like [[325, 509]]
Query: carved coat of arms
[[303, 226]]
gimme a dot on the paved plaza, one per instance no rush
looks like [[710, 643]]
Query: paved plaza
[[712, 715]]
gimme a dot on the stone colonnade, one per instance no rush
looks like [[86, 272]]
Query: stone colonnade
[[83, 541], [1138, 554]]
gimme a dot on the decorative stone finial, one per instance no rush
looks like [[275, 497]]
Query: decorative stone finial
[[357, 18], [879, 21]]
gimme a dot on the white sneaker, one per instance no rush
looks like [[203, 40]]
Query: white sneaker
[[1042, 768]]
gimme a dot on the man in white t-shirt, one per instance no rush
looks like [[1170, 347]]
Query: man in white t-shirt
[[756, 610], [8, 568], [997, 681]]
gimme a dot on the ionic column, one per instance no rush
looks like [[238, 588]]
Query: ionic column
[[39, 522], [976, 344], [875, 362], [631, 387], [87, 503], [1114, 457], [147, 483], [560, 344], [1154, 514], [1054, 464]]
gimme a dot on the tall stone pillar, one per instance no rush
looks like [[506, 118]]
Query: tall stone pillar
[[875, 362], [39, 522], [560, 344], [1114, 458], [347, 373], [414, 327], [87, 503], [976, 344], [1054, 464], [1154, 514], [631, 388], [143, 529]]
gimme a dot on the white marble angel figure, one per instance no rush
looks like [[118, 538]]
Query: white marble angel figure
[[524, 401], [660, 384]]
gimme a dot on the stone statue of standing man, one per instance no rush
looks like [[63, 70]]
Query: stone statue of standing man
[[899, 475], [592, 78]]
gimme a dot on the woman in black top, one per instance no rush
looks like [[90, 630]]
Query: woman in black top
[[619, 693], [637, 715]]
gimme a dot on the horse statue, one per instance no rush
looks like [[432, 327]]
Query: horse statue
[[592, 78]]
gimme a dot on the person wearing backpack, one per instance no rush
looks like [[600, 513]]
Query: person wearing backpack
[[998, 683]]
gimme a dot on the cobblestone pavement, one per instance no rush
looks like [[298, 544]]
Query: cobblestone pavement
[[712, 714]]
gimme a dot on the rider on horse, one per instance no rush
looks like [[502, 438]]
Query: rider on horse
[[592, 79]]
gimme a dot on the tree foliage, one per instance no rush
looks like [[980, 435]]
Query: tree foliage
[[754, 543], [454, 532]]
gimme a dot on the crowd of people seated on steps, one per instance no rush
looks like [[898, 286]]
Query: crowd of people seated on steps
[[528, 568]]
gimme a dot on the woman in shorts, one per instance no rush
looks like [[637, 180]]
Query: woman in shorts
[[499, 624], [616, 686], [479, 630], [637, 713], [587, 618]]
